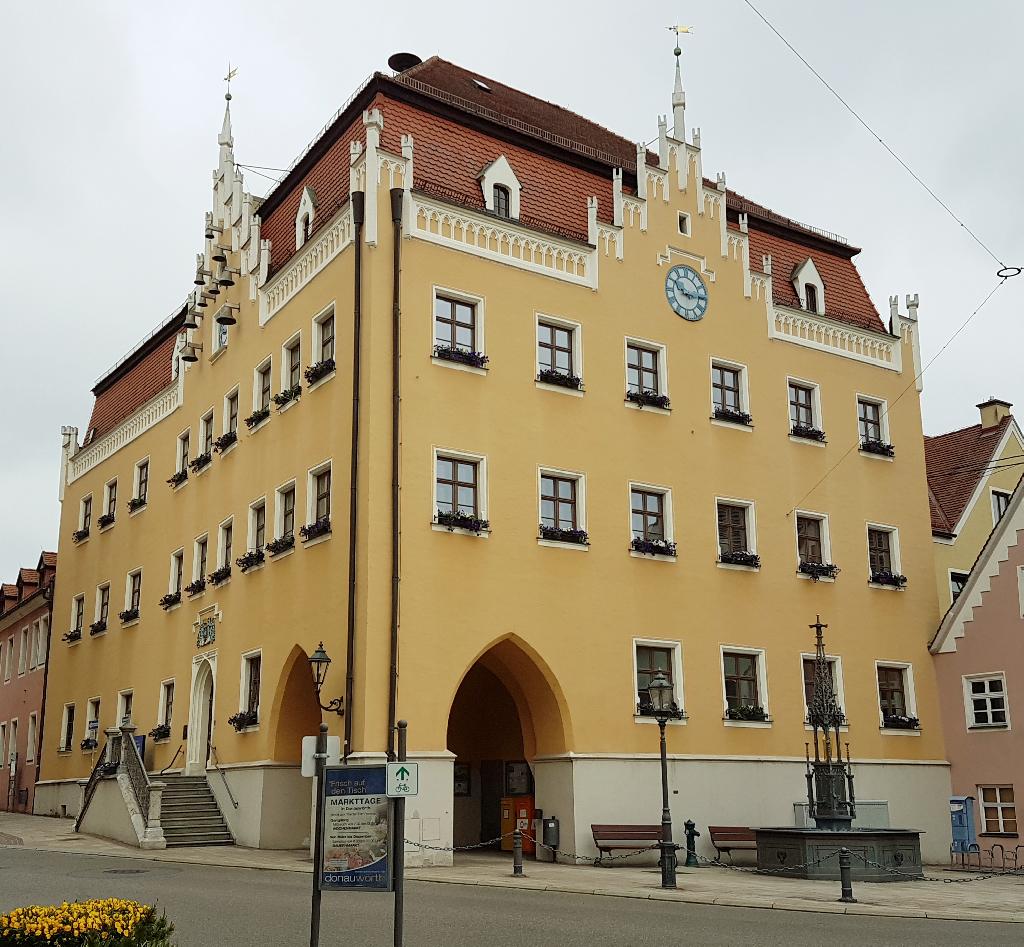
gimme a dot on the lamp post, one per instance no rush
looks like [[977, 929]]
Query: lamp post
[[320, 661], [662, 697]]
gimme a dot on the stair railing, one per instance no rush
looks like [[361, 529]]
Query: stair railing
[[173, 759], [99, 770], [216, 766], [136, 771]]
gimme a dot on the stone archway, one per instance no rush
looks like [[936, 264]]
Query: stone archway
[[201, 713], [295, 712]]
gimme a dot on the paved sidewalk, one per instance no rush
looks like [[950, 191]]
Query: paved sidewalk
[[994, 899]]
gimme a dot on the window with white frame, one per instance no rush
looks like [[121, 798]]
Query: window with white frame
[[206, 433], [460, 488], [225, 542], [133, 596], [897, 705], [3, 742], [836, 673], [737, 537], [502, 200], [33, 738], [92, 718], [563, 512], [812, 540], [884, 555], [323, 336], [110, 498], [125, 699], [683, 221], [646, 374], [250, 690], [103, 603], [67, 728], [650, 519], [1000, 502], [42, 641], [872, 422], [85, 514], [729, 399], [559, 353], [809, 287], [285, 511], [9, 663], [998, 810], [805, 410], [177, 572], [200, 552], [12, 748], [258, 525], [957, 583], [650, 658], [165, 712], [985, 700], [291, 363], [744, 684], [231, 412], [261, 386], [318, 495], [458, 325], [140, 489], [77, 614], [183, 452], [23, 652]]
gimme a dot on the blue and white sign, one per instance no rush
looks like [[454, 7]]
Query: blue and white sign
[[357, 829]]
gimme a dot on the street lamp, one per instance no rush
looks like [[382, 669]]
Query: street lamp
[[320, 661], [662, 696]]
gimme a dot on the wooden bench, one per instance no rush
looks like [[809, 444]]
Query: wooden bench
[[728, 838], [608, 838]]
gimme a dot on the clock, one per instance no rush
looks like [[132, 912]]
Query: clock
[[686, 293]]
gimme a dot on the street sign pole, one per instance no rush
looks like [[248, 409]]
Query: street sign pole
[[320, 757], [398, 853]]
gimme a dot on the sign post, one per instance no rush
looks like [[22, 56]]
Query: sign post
[[402, 774], [319, 758]]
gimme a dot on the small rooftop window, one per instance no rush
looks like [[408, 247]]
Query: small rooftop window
[[481, 85]]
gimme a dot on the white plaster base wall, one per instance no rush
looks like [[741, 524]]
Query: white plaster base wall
[[429, 817], [582, 790], [58, 797], [108, 816], [273, 804]]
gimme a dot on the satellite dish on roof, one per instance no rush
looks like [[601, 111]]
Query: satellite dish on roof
[[402, 61]]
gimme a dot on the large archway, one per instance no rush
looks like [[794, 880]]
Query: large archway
[[508, 711], [295, 712]]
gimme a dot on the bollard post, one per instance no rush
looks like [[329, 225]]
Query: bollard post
[[691, 845], [517, 853], [846, 895]]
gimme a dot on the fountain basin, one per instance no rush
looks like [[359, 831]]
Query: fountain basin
[[784, 847]]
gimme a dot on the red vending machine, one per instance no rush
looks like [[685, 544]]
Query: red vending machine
[[517, 813]]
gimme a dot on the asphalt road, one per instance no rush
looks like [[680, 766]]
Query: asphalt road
[[238, 907]]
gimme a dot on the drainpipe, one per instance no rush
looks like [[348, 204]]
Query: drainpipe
[[396, 352], [358, 199], [48, 595]]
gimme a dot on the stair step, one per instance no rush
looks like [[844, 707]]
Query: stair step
[[213, 818], [199, 837], [197, 844]]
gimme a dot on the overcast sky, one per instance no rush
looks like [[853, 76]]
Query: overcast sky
[[110, 113]]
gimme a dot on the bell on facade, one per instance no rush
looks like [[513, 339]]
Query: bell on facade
[[191, 318], [211, 228], [201, 275], [224, 276], [220, 253], [226, 316], [213, 289], [201, 302], [188, 352]]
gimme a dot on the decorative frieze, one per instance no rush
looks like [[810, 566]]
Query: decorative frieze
[[818, 332]]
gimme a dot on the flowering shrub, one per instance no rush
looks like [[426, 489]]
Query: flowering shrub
[[807, 433], [456, 519], [556, 534], [736, 557], [129, 614], [319, 528], [886, 577], [223, 442], [732, 416], [320, 370], [746, 712], [289, 394], [552, 376], [818, 570], [282, 544], [194, 588], [219, 575], [136, 503], [161, 731], [250, 560], [900, 722], [107, 519], [177, 478], [97, 626], [169, 600], [653, 547], [243, 719], [113, 921], [79, 534], [203, 460]]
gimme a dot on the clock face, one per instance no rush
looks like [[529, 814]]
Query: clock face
[[686, 293]]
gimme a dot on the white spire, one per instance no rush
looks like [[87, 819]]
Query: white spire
[[225, 132], [678, 105]]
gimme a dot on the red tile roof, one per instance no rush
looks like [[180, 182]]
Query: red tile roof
[[49, 559], [28, 577], [10, 591], [956, 463]]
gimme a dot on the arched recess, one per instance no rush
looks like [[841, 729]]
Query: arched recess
[[295, 712]]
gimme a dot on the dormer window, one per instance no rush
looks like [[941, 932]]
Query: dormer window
[[502, 201], [500, 188], [304, 227], [811, 298], [810, 289], [304, 216]]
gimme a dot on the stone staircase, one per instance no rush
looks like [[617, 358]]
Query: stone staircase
[[189, 813]]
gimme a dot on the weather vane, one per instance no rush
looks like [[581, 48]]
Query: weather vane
[[231, 75], [678, 30]]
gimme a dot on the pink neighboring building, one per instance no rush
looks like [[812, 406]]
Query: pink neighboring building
[[25, 619], [979, 660]]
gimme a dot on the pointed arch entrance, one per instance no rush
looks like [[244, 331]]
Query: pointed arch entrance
[[508, 710], [200, 713]]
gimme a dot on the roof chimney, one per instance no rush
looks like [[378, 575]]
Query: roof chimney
[[993, 411]]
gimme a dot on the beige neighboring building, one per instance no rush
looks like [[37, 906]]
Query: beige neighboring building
[[972, 473]]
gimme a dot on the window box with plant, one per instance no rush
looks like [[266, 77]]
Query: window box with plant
[[818, 570], [129, 614], [225, 441], [891, 579], [739, 557], [97, 626], [251, 559], [282, 544], [807, 433], [552, 376], [201, 462], [170, 600], [732, 416], [653, 547], [177, 478], [319, 528], [89, 743], [556, 534], [871, 446], [645, 398], [645, 708], [194, 588], [244, 719], [107, 519], [900, 722], [74, 635], [257, 417], [220, 575], [162, 731], [136, 503], [79, 534], [747, 712], [456, 519], [320, 370], [453, 353], [286, 397]]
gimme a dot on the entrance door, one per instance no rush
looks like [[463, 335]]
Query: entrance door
[[200, 719], [209, 727], [492, 788]]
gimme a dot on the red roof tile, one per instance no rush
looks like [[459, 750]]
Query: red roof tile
[[956, 463], [28, 577], [49, 559]]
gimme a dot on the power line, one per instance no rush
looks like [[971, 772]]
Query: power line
[[902, 163]]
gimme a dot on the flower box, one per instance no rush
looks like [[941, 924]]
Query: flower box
[[113, 921], [170, 600], [899, 722], [465, 357], [225, 441], [746, 712], [733, 417], [220, 575], [194, 588], [287, 396], [89, 744], [129, 614], [74, 635], [257, 417], [644, 708], [79, 534], [320, 528], [97, 626], [243, 719], [648, 399], [107, 519], [453, 520], [878, 447], [807, 433], [320, 370], [556, 535], [818, 570], [250, 560], [136, 503], [177, 478], [200, 462], [741, 558], [653, 547], [894, 579], [161, 731], [551, 376], [282, 544]]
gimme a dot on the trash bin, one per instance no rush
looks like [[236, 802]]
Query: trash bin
[[550, 836]]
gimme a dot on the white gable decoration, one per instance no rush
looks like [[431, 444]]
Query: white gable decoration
[[807, 274], [304, 216], [499, 171]]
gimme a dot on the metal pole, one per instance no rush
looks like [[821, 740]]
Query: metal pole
[[398, 855], [668, 848], [517, 852], [845, 882], [319, 758]]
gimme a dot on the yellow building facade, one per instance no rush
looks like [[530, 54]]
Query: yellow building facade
[[638, 419]]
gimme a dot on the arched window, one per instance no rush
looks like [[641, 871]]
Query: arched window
[[811, 297], [502, 201]]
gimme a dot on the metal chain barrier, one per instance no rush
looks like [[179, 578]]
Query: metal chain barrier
[[944, 881], [459, 848], [589, 859], [714, 863]]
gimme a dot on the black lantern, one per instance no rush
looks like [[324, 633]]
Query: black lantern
[[320, 661], [661, 695]]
